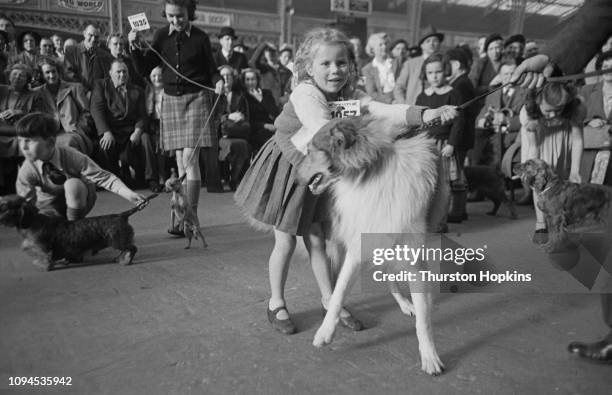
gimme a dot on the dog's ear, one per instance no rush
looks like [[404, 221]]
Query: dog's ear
[[542, 175], [343, 134]]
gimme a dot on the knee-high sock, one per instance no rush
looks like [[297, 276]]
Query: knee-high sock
[[192, 189]]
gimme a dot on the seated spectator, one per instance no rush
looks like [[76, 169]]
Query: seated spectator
[[58, 46], [227, 55], [598, 96], [399, 50], [60, 180], [4, 57], [69, 104], [235, 126], [515, 46], [531, 49], [46, 47], [381, 72], [262, 109], [361, 56], [498, 124], [28, 54], [117, 44], [86, 62], [274, 76], [118, 109], [485, 68], [551, 122], [285, 56], [16, 100], [154, 92]]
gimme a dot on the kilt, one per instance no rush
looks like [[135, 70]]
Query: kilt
[[183, 119]]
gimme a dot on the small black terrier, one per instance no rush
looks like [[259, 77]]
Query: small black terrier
[[491, 184], [50, 238]]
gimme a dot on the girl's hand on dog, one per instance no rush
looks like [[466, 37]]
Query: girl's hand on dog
[[447, 151], [445, 113]]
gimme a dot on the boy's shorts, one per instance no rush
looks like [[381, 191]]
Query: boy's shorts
[[57, 205]]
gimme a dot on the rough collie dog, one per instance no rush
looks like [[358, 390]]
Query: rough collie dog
[[379, 184]]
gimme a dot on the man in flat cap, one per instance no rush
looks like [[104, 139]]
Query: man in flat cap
[[408, 85]]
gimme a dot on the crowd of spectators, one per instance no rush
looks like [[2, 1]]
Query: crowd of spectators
[[107, 109]]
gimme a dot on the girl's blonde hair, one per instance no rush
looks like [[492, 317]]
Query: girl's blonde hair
[[313, 39]]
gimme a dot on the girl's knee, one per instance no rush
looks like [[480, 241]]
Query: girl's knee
[[284, 241]]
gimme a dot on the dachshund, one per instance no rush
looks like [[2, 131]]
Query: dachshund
[[50, 239], [563, 203]]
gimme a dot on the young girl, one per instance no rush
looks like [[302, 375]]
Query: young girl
[[436, 69], [551, 130], [270, 194]]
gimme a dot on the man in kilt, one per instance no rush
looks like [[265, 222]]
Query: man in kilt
[[185, 106]]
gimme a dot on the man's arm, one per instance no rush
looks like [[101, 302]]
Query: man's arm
[[582, 37], [97, 107]]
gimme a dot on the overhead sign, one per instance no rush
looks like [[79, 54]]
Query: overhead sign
[[356, 7], [216, 19], [82, 5]]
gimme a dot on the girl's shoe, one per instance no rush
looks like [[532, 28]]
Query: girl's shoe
[[540, 236], [177, 231], [285, 326], [349, 322]]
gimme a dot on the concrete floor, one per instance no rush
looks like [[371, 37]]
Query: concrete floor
[[193, 321]]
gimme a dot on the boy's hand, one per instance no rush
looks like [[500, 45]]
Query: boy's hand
[[107, 141], [137, 199]]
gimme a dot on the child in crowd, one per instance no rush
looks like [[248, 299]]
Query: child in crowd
[[551, 130], [270, 194], [60, 180], [153, 94], [435, 71]]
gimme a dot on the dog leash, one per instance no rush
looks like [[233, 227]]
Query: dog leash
[[437, 121], [146, 201]]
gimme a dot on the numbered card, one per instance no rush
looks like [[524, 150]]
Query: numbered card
[[344, 108], [139, 21]]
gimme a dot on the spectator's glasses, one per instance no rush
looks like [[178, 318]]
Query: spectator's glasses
[[54, 175]]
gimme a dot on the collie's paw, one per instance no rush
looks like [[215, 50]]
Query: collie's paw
[[324, 335], [406, 306], [431, 363]]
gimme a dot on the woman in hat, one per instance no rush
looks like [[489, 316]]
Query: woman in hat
[[409, 84], [485, 69], [28, 53]]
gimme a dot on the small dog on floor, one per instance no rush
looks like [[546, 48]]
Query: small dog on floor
[[181, 214], [50, 238], [490, 183], [563, 203]]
